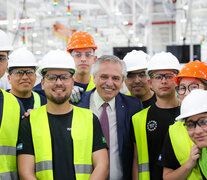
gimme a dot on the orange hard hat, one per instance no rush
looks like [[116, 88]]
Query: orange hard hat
[[194, 69], [81, 40]]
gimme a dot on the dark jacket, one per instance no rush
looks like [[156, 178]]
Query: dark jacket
[[126, 106]]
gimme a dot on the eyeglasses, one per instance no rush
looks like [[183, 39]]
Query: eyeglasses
[[53, 77], [3, 58], [167, 76], [191, 125], [21, 73], [79, 54], [140, 75], [181, 89]]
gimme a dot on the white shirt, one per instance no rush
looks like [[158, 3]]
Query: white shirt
[[115, 162]]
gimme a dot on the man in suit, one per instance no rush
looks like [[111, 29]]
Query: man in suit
[[109, 74]]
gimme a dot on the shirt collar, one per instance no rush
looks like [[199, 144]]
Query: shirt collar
[[98, 101]]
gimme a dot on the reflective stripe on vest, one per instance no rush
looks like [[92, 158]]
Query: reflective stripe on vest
[[139, 122], [37, 100], [182, 144], [9, 176], [91, 84], [8, 136], [82, 135]]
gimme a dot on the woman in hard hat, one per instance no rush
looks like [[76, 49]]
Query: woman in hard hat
[[194, 115], [192, 76]]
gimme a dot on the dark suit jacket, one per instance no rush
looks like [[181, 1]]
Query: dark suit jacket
[[126, 106]]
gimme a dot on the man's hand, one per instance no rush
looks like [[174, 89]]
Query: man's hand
[[75, 96]]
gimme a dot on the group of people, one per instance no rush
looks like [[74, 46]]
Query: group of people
[[76, 124]]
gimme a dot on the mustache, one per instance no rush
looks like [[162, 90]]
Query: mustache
[[109, 87]]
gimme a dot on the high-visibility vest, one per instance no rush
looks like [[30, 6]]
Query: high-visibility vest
[[8, 137], [91, 84], [202, 161], [82, 135], [37, 100], [128, 94], [182, 145], [139, 123]]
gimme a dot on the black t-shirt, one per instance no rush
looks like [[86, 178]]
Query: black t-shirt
[[150, 101], [84, 86], [22, 111], [158, 121], [28, 103], [62, 143], [168, 158]]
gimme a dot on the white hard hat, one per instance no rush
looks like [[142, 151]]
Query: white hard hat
[[22, 58], [5, 44], [163, 61], [57, 59], [136, 60], [193, 104]]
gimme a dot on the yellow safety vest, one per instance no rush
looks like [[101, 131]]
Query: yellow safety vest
[[128, 94], [37, 100], [82, 135], [139, 123], [202, 161], [182, 145], [8, 136], [91, 84]]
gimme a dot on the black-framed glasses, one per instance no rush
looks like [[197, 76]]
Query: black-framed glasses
[[133, 75], [167, 76], [3, 58], [79, 54], [21, 73], [54, 77], [191, 125], [181, 89]]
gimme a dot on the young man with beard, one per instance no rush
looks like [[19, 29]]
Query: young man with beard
[[137, 80], [151, 124], [58, 140], [82, 47]]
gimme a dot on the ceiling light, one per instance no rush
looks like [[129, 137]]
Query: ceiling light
[[185, 7], [125, 22], [38, 52], [34, 35], [183, 20]]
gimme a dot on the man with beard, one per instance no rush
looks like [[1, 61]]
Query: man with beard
[[137, 81], [151, 124], [109, 74], [58, 140]]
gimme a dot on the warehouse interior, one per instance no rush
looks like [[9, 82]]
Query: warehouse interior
[[118, 26]]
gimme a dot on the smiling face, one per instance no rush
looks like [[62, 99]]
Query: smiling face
[[108, 80], [138, 83], [186, 82], [199, 134], [22, 84], [59, 91]]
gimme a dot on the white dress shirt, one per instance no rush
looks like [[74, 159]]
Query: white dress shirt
[[115, 162]]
